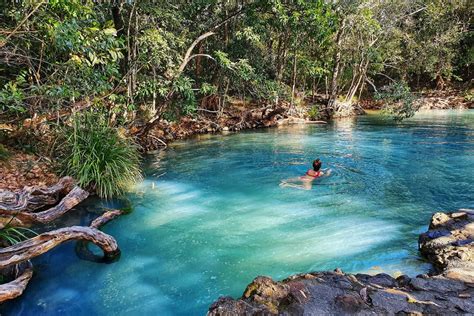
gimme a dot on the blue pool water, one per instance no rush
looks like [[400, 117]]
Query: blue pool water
[[210, 215]]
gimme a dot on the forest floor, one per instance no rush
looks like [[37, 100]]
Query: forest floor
[[21, 169]]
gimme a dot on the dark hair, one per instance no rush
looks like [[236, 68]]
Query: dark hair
[[317, 165]]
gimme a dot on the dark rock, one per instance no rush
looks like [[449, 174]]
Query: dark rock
[[403, 280], [381, 279], [229, 306], [321, 293], [350, 303]]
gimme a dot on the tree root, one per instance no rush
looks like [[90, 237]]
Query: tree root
[[84, 252], [22, 274], [40, 244]]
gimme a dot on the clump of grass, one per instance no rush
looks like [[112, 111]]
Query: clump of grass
[[98, 157], [4, 153], [313, 112], [12, 235]]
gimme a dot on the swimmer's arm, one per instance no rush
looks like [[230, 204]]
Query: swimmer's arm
[[292, 179]]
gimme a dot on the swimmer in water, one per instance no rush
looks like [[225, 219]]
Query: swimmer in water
[[306, 181]]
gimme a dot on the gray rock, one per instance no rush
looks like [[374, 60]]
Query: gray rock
[[449, 244]]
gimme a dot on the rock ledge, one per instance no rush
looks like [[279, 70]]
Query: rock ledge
[[448, 245]]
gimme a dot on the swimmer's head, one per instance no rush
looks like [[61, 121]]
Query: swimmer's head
[[317, 165]]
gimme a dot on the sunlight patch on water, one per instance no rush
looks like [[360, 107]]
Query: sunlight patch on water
[[347, 236]]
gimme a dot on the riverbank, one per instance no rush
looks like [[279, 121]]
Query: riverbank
[[431, 100], [448, 244], [237, 116], [19, 169], [241, 116]]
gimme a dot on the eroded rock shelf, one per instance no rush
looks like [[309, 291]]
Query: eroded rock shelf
[[448, 244]]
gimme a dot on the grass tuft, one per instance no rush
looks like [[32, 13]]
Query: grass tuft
[[98, 157], [14, 235]]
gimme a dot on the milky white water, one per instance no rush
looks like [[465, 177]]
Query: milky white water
[[210, 215]]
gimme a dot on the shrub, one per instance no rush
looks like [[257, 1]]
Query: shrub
[[4, 154], [98, 157], [313, 113], [398, 101], [469, 95]]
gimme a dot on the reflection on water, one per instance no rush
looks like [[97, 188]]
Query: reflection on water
[[210, 215]]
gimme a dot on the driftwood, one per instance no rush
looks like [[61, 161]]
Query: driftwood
[[22, 274], [40, 244], [21, 209], [105, 218], [18, 209], [83, 251], [32, 198], [22, 252]]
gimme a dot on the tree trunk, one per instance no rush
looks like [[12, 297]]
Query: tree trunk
[[293, 87], [335, 73]]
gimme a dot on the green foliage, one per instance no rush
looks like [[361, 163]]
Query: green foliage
[[98, 157], [313, 112], [12, 95], [4, 153], [398, 101], [184, 88], [70, 52], [208, 89], [469, 95], [13, 235]]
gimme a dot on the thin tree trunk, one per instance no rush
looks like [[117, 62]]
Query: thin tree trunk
[[335, 73], [293, 87]]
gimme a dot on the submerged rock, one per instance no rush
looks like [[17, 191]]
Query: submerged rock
[[448, 245]]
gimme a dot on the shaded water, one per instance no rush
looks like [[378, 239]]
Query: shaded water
[[210, 215]]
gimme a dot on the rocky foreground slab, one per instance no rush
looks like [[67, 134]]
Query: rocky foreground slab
[[448, 244]]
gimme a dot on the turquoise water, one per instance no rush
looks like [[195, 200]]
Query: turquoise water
[[210, 215]]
